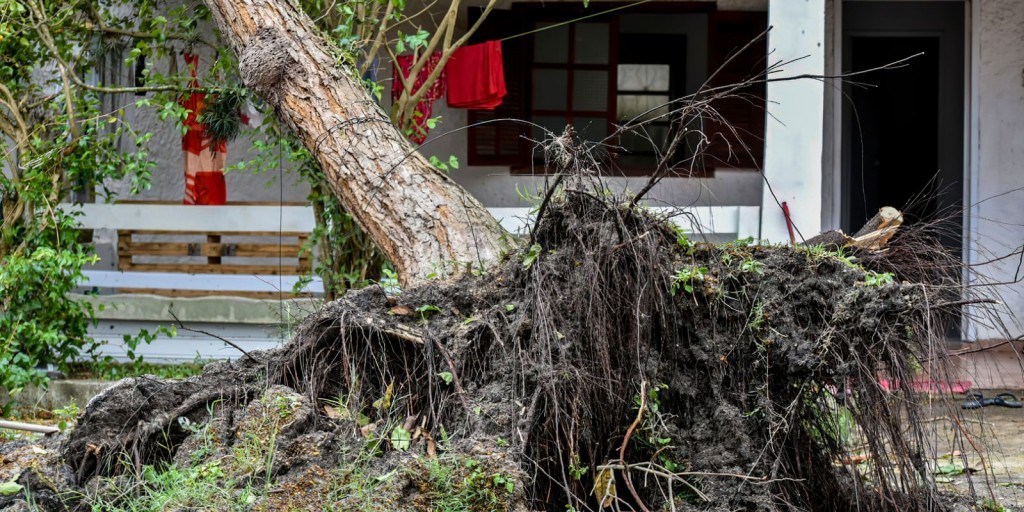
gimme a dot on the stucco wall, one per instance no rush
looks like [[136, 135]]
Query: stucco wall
[[998, 213]]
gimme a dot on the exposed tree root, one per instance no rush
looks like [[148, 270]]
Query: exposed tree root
[[612, 363]]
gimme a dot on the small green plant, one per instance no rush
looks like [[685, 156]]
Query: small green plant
[[465, 485], [531, 256], [686, 277], [426, 311], [757, 319], [577, 470], [452, 163], [872, 278], [751, 266], [816, 253], [67, 415], [681, 239]]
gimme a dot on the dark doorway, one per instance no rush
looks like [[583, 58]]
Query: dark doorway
[[894, 150], [903, 133]]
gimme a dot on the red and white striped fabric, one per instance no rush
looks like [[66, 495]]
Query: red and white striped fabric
[[204, 160]]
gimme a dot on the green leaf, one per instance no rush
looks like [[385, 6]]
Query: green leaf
[[427, 308], [10, 488], [532, 255], [447, 377], [400, 439]]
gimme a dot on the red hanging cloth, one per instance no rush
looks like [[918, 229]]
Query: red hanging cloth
[[204, 160], [425, 107], [476, 76]]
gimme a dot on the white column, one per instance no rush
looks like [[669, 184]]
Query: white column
[[794, 128]]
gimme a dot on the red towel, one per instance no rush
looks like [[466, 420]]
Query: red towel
[[425, 108], [210, 188], [204, 160], [476, 76]]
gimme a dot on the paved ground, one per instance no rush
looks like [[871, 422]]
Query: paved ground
[[990, 441]]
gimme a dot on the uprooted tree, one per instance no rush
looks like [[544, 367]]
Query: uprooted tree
[[609, 363]]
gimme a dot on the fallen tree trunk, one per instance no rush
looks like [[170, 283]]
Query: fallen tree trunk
[[421, 219]]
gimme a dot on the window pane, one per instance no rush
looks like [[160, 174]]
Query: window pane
[[556, 125], [590, 91], [550, 89], [551, 45], [644, 77], [593, 129], [592, 43], [647, 140], [642, 106]]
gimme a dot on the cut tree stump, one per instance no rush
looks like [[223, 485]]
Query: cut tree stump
[[872, 236]]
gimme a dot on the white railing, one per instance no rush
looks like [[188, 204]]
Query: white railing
[[724, 221]]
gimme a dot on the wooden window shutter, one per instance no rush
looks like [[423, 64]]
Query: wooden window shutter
[[501, 143], [728, 32]]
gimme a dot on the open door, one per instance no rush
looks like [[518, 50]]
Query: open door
[[903, 131]]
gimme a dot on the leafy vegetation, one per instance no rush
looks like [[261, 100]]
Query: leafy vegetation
[[112, 370], [66, 133]]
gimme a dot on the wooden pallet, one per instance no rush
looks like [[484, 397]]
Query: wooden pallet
[[163, 251]]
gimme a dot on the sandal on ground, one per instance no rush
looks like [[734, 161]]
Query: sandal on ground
[[1006, 400], [977, 401]]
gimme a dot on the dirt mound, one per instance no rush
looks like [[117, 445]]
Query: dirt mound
[[611, 362]]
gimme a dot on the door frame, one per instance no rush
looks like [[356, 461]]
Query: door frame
[[832, 153]]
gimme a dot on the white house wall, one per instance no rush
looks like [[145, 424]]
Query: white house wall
[[997, 215]]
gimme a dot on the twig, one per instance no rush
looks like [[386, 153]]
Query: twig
[[625, 441], [625, 468], [228, 342], [544, 206], [455, 374], [965, 302]]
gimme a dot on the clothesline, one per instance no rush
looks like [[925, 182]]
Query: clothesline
[[575, 20]]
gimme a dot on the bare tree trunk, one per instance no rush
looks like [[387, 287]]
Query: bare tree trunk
[[420, 218]]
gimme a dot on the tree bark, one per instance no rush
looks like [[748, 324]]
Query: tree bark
[[421, 219]]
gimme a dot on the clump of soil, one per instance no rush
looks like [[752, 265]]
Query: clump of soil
[[610, 362]]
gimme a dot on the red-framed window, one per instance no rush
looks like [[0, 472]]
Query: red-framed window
[[598, 72]]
